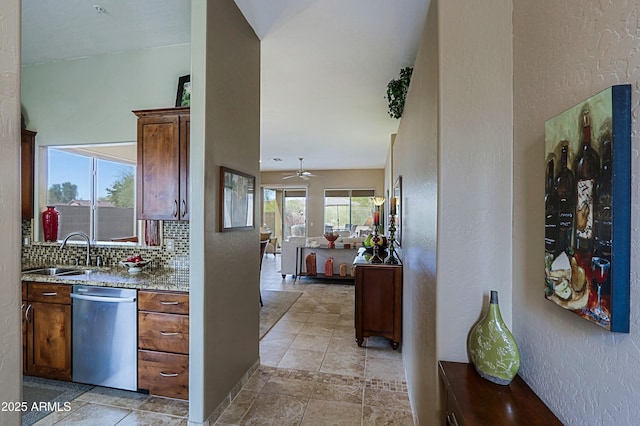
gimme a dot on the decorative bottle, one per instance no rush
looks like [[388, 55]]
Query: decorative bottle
[[565, 187], [551, 213], [603, 202], [328, 267], [492, 348], [587, 169], [50, 219]]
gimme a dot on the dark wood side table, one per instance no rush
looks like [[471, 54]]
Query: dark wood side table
[[471, 400], [379, 302]]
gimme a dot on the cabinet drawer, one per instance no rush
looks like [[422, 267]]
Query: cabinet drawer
[[163, 332], [49, 293], [164, 374], [163, 301]]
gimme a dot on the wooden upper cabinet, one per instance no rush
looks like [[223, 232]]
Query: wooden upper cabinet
[[27, 145], [163, 164]]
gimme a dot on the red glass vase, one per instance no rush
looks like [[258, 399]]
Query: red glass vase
[[50, 219]]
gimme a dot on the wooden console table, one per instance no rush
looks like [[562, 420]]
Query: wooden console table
[[471, 400], [339, 254]]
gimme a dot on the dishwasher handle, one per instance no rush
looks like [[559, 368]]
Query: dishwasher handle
[[103, 298]]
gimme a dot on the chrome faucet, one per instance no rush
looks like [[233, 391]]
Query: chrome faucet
[[86, 237]]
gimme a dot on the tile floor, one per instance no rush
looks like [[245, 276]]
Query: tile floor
[[312, 373]]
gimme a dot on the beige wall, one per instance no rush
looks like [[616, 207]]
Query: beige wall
[[11, 348], [415, 158], [224, 266], [327, 179], [453, 151], [564, 52]]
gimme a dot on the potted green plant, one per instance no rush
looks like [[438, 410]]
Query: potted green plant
[[397, 92]]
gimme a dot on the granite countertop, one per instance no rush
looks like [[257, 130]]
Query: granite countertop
[[148, 279]]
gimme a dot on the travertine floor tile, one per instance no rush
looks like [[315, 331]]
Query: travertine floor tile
[[345, 364], [279, 338], [332, 413], [144, 418], [172, 407], [323, 318], [317, 329], [385, 369], [311, 342], [114, 397], [288, 386], [288, 326], [271, 355], [57, 416], [238, 408], [95, 415], [378, 416], [273, 409], [336, 392], [301, 359], [296, 316], [387, 399]]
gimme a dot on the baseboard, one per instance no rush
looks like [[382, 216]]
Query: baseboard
[[227, 400]]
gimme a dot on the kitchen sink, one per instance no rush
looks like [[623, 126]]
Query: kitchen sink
[[57, 271]]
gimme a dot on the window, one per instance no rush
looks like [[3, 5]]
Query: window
[[94, 192], [348, 210]]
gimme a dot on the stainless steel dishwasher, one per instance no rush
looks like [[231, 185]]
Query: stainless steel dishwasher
[[104, 336]]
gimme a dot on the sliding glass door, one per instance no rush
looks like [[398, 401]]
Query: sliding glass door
[[284, 211]]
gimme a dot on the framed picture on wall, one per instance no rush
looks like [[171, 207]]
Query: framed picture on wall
[[237, 200], [397, 203], [183, 97], [588, 208]]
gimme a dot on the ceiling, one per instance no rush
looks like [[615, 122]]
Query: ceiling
[[325, 64]]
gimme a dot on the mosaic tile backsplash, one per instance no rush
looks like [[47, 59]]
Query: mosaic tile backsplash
[[41, 253]]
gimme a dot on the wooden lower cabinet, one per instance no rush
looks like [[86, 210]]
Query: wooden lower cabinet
[[163, 373], [379, 302], [47, 331], [163, 343]]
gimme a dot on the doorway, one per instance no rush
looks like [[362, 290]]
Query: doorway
[[284, 211]]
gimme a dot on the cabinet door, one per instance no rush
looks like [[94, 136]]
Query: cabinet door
[[185, 128], [24, 336], [158, 190], [26, 164], [49, 340], [379, 302]]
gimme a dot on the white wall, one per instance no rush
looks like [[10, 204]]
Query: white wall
[[565, 52], [89, 100], [328, 179], [11, 348]]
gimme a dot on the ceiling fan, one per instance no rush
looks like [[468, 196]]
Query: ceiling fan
[[300, 173]]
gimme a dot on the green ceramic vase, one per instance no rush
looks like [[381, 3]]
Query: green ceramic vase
[[492, 348]]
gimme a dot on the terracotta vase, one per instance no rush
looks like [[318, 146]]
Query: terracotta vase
[[492, 348], [328, 267], [310, 263], [50, 220], [343, 270]]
